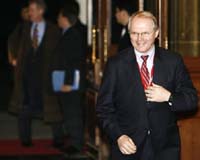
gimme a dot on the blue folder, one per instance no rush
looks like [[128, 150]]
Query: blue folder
[[76, 81], [58, 80]]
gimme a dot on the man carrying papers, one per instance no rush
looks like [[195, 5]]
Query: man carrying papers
[[66, 83]]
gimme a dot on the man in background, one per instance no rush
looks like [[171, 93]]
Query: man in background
[[124, 9], [82, 29], [32, 95], [68, 54]]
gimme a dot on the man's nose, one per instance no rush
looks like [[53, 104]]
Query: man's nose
[[139, 36]]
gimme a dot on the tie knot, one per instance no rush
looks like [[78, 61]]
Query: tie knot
[[144, 58]]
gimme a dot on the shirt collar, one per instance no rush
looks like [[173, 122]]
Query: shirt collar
[[64, 30], [150, 53], [39, 23]]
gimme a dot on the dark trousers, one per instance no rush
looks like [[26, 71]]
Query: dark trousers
[[25, 122], [72, 126], [33, 91]]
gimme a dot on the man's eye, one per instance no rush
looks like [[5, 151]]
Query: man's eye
[[134, 33], [145, 33]]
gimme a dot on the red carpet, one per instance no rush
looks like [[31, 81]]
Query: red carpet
[[40, 147]]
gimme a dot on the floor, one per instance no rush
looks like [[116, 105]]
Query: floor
[[8, 123], [8, 130]]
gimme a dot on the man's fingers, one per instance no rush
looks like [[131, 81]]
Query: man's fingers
[[150, 100], [128, 148], [149, 94], [132, 144], [155, 85], [123, 150], [126, 145]]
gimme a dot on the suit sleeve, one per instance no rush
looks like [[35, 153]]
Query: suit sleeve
[[105, 107], [185, 95], [71, 56]]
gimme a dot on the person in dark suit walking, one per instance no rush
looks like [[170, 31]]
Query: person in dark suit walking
[[68, 58], [142, 89], [82, 29], [32, 95]]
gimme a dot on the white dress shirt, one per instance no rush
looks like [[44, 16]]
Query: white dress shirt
[[41, 29], [123, 32], [150, 60]]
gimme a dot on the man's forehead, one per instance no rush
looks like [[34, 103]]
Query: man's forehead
[[142, 21]]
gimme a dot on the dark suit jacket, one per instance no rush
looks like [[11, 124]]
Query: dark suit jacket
[[68, 58], [124, 41], [122, 107], [68, 54], [82, 29]]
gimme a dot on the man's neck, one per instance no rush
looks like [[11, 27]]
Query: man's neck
[[149, 52], [39, 20]]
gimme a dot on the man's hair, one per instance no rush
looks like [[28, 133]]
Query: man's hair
[[143, 14], [130, 6], [68, 12], [40, 3], [74, 6]]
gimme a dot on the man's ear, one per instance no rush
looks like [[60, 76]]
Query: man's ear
[[41, 11], [157, 33]]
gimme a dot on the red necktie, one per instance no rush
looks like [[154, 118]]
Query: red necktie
[[144, 72], [35, 37]]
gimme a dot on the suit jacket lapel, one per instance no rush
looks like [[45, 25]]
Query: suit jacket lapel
[[159, 69], [133, 73]]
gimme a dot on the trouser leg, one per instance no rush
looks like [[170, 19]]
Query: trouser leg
[[73, 119], [24, 125], [58, 133]]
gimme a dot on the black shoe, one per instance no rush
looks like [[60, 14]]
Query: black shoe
[[27, 143], [58, 145], [71, 150]]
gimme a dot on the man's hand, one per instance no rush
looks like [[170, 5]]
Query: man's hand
[[14, 62], [126, 145], [156, 93], [66, 88]]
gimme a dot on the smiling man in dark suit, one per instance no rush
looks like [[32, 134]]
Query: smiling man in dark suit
[[142, 88]]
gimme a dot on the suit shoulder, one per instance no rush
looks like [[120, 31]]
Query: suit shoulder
[[121, 55], [52, 27], [72, 35], [75, 31], [169, 55]]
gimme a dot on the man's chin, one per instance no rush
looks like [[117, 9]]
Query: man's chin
[[141, 50]]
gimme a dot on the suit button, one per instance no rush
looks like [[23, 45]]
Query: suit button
[[148, 132]]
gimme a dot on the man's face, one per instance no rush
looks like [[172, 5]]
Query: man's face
[[35, 12], [119, 16], [60, 20], [142, 34], [25, 13]]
